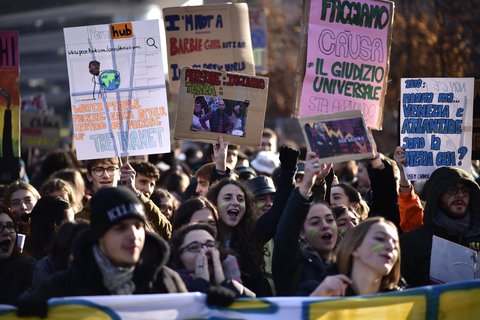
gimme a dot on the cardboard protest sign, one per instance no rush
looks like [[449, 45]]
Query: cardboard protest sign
[[452, 262], [117, 89], [337, 137], [344, 64], [258, 29], [213, 103], [436, 124], [215, 37]]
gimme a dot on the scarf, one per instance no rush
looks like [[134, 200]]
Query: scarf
[[451, 226], [117, 280]]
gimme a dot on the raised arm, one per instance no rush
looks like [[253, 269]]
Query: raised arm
[[409, 204]]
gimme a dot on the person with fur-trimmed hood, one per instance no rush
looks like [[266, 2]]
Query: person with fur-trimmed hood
[[452, 212], [115, 254]]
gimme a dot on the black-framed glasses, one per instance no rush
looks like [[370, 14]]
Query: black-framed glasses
[[10, 227], [98, 171], [196, 246], [453, 191]]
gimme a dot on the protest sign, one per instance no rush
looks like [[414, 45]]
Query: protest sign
[[117, 90], [436, 124], [452, 262], [215, 37], [476, 122], [345, 61], [213, 103], [9, 95], [35, 103], [41, 130], [258, 29], [337, 137], [9, 107]]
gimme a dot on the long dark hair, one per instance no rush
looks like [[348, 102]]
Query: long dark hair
[[248, 247], [61, 247], [186, 210], [46, 217], [201, 100]]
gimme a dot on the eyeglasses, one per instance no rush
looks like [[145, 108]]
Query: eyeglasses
[[10, 227], [453, 191], [98, 171], [196, 246]]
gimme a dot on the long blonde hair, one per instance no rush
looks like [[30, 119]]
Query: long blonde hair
[[353, 239]]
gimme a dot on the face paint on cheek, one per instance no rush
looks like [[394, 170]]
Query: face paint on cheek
[[341, 232], [376, 247], [313, 233], [260, 204], [223, 204]]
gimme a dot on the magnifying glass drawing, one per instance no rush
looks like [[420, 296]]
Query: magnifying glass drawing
[[151, 42]]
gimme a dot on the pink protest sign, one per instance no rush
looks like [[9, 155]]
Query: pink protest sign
[[347, 58]]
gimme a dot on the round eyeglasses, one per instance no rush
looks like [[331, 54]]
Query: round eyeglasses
[[453, 191], [98, 171]]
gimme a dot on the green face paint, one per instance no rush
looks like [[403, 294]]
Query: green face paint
[[341, 232], [223, 204], [376, 247], [260, 204], [313, 233]]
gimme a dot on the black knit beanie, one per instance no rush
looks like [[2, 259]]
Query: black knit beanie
[[110, 205]]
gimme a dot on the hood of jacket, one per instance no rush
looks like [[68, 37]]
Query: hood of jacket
[[437, 184]]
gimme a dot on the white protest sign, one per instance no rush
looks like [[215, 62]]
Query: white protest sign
[[117, 90], [452, 262], [436, 124]]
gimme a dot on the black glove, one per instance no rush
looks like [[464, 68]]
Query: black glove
[[32, 308], [219, 296], [288, 158]]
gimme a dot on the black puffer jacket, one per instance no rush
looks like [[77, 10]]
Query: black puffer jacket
[[416, 245], [293, 263], [83, 277]]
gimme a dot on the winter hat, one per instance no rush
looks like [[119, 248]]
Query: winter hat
[[261, 185], [265, 162], [245, 173], [110, 205]]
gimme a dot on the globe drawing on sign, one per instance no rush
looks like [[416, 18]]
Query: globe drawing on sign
[[109, 80]]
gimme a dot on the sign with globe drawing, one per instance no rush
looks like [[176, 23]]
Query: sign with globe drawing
[[117, 90]]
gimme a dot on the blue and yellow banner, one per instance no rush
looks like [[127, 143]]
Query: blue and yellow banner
[[452, 301]]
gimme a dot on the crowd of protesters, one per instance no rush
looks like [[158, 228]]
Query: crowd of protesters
[[237, 221]]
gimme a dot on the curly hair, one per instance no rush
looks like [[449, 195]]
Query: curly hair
[[145, 168]]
